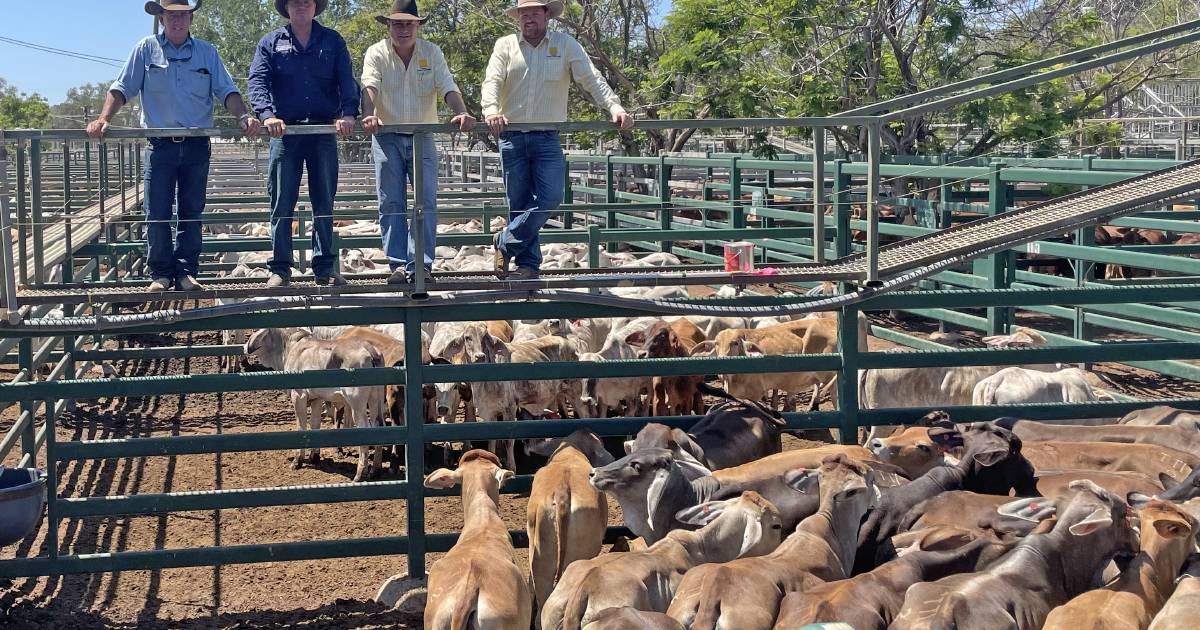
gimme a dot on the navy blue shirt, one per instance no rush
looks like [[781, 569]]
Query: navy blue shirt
[[294, 84]]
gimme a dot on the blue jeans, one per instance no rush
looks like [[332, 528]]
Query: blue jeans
[[534, 169], [289, 156], [176, 173], [393, 153]]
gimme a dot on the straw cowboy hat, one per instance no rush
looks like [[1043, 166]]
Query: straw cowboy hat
[[281, 7], [158, 8], [402, 10], [554, 8]]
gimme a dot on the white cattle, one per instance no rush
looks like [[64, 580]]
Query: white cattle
[[297, 351], [1019, 386]]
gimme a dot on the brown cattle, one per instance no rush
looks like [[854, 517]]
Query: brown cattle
[[1183, 608], [689, 333], [1148, 459], [670, 395], [1175, 437], [746, 593], [566, 517], [477, 579], [1168, 534]]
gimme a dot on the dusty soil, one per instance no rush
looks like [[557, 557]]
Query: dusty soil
[[315, 594]]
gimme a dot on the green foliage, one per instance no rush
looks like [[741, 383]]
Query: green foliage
[[19, 110], [84, 102]]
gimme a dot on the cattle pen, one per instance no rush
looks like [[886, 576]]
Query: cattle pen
[[74, 293]]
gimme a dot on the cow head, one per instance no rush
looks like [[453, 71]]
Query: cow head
[[476, 345], [1095, 513], [658, 342], [478, 464], [989, 445], [269, 346], [749, 522], [917, 449], [640, 479], [581, 440]]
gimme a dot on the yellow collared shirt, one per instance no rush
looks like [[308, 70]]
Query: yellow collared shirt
[[407, 94], [529, 84]]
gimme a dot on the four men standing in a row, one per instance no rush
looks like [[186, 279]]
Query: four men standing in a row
[[302, 75]]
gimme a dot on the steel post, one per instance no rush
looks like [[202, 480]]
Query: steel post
[[420, 273], [1085, 271], [35, 189], [22, 216], [737, 215], [847, 382], [9, 265], [818, 196], [610, 196], [414, 449], [873, 156], [664, 198], [28, 404]]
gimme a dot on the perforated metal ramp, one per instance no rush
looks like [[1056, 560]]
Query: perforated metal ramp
[[977, 238]]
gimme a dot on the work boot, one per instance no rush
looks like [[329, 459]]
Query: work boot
[[525, 273], [188, 283], [278, 280], [334, 279], [399, 276], [429, 279], [159, 284], [499, 258]]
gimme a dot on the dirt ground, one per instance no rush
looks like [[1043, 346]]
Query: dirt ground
[[314, 594]]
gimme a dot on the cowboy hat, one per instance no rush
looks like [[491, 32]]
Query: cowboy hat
[[554, 8], [402, 10], [281, 7], [158, 8]]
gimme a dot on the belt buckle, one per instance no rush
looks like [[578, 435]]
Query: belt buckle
[[178, 139]]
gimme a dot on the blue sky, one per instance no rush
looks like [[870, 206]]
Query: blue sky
[[105, 28]]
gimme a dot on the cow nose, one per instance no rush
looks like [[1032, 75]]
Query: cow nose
[[443, 409], [479, 357]]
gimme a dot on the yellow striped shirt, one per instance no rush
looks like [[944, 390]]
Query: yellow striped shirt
[[529, 84], [407, 94]]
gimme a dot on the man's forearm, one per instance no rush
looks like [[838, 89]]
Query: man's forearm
[[236, 105], [455, 101], [368, 101], [112, 104]]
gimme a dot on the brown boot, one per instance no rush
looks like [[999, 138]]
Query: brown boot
[[499, 258]]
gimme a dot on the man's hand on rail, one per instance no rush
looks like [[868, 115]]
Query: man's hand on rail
[[251, 126], [275, 127], [345, 126], [623, 120], [497, 123], [465, 122], [372, 124], [97, 129]]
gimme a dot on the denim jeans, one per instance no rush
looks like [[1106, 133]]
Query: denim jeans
[[393, 153], [534, 169], [289, 155], [176, 173]]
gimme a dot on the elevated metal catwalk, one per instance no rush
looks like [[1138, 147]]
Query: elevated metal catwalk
[[977, 238]]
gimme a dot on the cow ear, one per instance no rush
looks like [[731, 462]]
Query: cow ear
[[1170, 528], [628, 446], [255, 341], [1137, 500], [1167, 481], [751, 536], [502, 475], [443, 478], [452, 349], [1099, 518], [636, 338], [429, 391], [545, 448], [654, 496], [704, 349], [991, 457], [802, 480], [753, 349], [704, 513]]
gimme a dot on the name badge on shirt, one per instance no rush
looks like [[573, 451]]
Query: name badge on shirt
[[553, 51], [283, 46], [423, 64]]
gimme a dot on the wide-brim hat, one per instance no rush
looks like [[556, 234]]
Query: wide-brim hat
[[402, 10], [158, 8], [554, 8], [281, 7]]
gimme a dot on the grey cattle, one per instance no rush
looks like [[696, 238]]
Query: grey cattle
[[1041, 572], [1161, 415], [297, 350], [1175, 437]]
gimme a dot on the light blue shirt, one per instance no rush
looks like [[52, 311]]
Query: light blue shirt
[[177, 85]]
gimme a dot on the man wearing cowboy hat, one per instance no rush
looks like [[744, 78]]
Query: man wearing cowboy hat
[[178, 77], [301, 74], [526, 82], [403, 77]]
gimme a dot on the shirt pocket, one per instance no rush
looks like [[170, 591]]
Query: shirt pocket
[[425, 82], [157, 80], [197, 83], [555, 68]]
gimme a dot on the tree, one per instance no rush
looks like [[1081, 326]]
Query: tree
[[19, 110], [83, 104]]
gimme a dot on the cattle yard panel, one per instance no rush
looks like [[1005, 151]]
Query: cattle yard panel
[[996, 285]]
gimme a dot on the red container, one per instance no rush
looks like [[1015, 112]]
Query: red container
[[739, 257]]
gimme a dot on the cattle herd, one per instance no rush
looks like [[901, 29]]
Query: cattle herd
[[1004, 524]]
